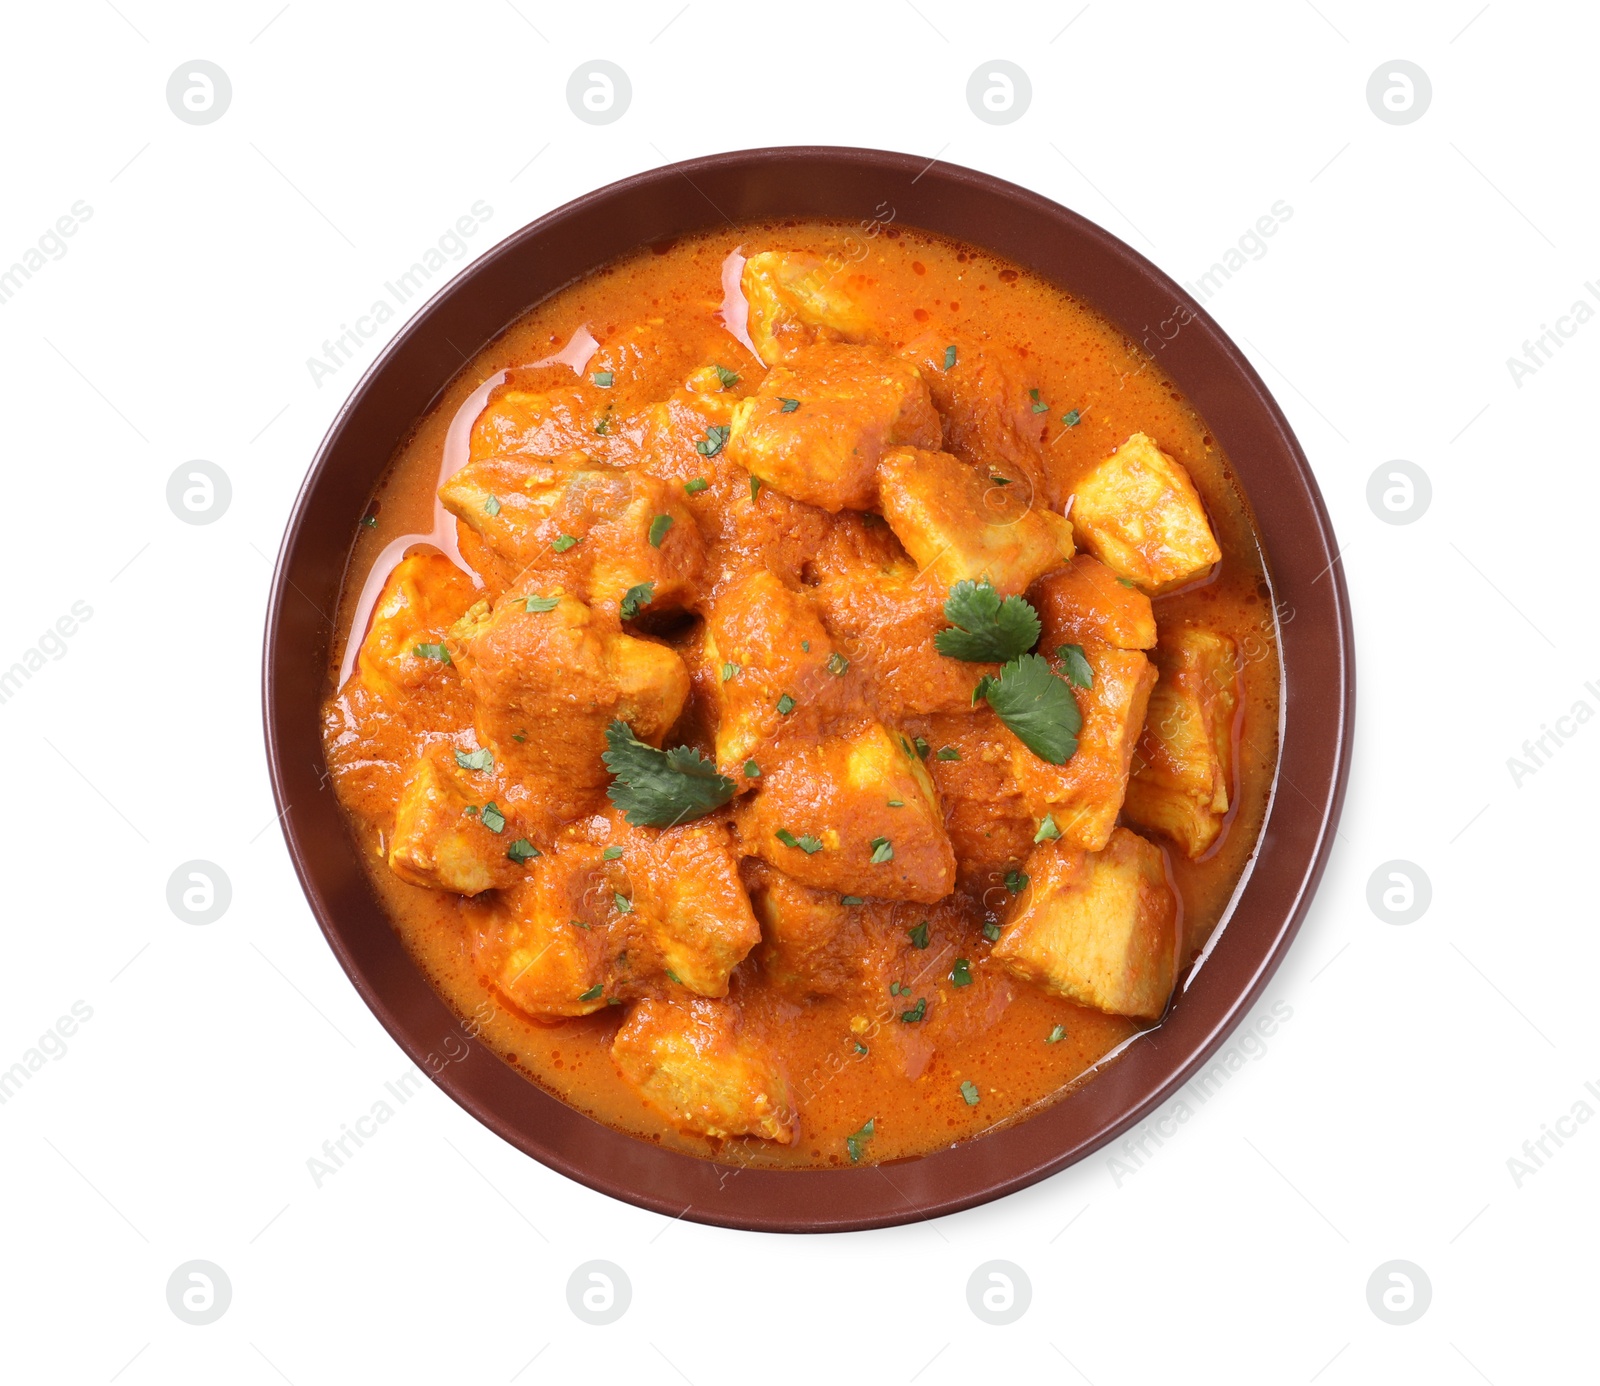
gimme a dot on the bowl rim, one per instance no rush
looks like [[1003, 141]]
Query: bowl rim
[[1317, 698]]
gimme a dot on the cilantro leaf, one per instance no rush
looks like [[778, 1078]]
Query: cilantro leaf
[[521, 850], [882, 851], [728, 378], [1056, 1035], [969, 1093], [432, 652], [755, 487], [785, 705], [537, 603], [961, 973], [837, 664], [482, 759], [857, 1139], [711, 444], [991, 931], [561, 543], [917, 1012], [603, 379], [611, 854], [806, 842], [1071, 417], [491, 507], [658, 530], [658, 788], [919, 935], [593, 994], [1076, 665], [492, 818], [949, 357], [635, 599], [752, 770], [985, 628], [1037, 706], [1039, 406], [949, 753], [696, 486], [1048, 832], [1016, 881], [851, 900], [786, 405]]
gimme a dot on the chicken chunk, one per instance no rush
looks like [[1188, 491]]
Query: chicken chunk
[[1139, 514], [779, 673], [855, 812], [545, 945], [594, 531], [1086, 598], [1183, 768], [817, 425], [971, 758], [403, 648], [541, 412], [445, 838], [698, 1066], [1084, 796], [791, 294], [958, 525], [627, 912], [545, 685], [989, 401], [873, 597], [811, 941], [1100, 929]]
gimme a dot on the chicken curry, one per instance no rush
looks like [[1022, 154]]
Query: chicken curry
[[814, 693]]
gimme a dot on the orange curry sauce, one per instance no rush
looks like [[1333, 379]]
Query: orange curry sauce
[[847, 1060]]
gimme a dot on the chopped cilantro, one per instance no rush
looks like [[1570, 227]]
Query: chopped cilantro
[[521, 850], [603, 379], [882, 851], [581, 924], [919, 934], [851, 900], [537, 603], [611, 854], [370, 521], [621, 901], [561, 543], [519, 737], [728, 378], [897, 803], [1039, 406], [492, 818], [711, 444], [482, 759], [1036, 705], [755, 487], [1076, 665], [917, 1012], [1071, 417], [471, 810], [659, 788], [1056, 1035], [805, 842], [432, 652], [785, 705], [787, 406], [1016, 881], [806, 646], [635, 599], [602, 424], [860, 1048], [999, 480], [922, 748], [858, 1139], [949, 357], [969, 1093], [1048, 832], [961, 973], [986, 629], [491, 506], [1128, 582], [948, 753], [837, 663], [991, 931], [695, 487], [752, 770], [658, 530], [729, 669], [594, 992]]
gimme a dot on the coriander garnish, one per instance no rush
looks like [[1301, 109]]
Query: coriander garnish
[[521, 850], [787, 406], [712, 443], [437, 652], [658, 530], [1048, 832], [882, 851], [1075, 664], [1036, 705], [562, 542], [482, 759], [961, 973], [986, 629], [536, 603], [657, 788], [1056, 1035], [854, 1142], [918, 934], [492, 818], [969, 1093], [636, 598]]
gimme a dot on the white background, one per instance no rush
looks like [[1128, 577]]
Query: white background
[[1378, 1123]]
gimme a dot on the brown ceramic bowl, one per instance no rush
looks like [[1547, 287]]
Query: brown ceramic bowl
[[851, 185]]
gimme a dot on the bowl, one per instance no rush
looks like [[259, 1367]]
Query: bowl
[[853, 185]]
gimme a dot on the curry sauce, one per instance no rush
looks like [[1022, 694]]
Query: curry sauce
[[774, 429]]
